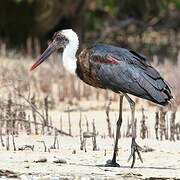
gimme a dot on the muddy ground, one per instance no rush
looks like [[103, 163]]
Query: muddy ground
[[161, 161]]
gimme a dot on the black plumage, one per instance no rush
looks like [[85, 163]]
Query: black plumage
[[122, 70]]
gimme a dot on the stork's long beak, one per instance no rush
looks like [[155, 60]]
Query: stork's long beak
[[51, 48]]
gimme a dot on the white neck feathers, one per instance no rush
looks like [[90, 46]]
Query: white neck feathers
[[69, 54]]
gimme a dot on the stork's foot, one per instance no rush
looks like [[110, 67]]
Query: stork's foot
[[135, 148], [111, 163]]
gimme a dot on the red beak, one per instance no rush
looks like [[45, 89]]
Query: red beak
[[51, 48]]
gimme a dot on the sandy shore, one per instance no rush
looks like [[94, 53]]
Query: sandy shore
[[162, 162]]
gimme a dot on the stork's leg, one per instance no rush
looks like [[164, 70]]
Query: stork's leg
[[135, 148], [113, 163]]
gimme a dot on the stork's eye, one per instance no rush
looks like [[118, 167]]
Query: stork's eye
[[66, 40]]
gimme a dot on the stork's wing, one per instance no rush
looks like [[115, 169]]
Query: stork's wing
[[126, 71]]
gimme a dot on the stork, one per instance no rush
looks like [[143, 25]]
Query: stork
[[117, 69]]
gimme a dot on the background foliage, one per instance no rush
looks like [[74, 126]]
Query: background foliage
[[96, 20]]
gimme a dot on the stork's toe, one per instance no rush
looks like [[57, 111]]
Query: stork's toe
[[135, 148]]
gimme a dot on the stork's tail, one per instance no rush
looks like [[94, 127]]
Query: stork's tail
[[164, 94], [167, 98], [158, 91]]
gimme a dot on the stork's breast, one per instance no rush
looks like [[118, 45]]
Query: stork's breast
[[85, 71]]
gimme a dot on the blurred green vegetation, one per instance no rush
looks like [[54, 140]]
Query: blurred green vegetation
[[92, 19]]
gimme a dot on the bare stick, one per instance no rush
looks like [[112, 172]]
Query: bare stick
[[13, 141], [69, 122], [8, 116], [1, 126], [34, 114], [108, 118], [80, 133], [29, 125], [7, 142], [94, 137], [172, 125], [162, 124], [87, 124], [156, 126], [143, 129], [55, 139], [46, 123], [177, 129], [2, 142]]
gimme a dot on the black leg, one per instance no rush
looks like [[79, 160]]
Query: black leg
[[112, 163], [135, 148]]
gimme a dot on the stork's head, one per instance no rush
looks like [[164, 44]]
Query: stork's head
[[65, 39]]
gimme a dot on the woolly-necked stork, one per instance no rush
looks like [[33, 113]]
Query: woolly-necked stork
[[117, 69]]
